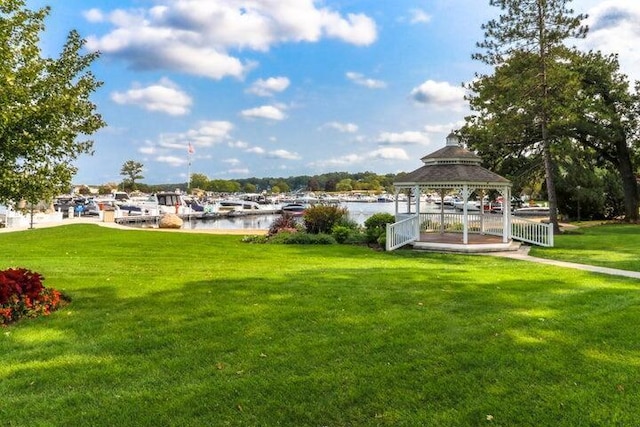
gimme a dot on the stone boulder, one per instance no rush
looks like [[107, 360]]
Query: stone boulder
[[170, 221]]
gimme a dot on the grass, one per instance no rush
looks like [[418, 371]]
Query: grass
[[611, 245], [181, 329]]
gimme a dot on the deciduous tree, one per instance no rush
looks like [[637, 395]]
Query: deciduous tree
[[45, 109]]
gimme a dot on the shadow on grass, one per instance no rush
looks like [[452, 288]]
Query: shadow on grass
[[395, 344]]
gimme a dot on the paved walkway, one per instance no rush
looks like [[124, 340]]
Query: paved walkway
[[523, 254]]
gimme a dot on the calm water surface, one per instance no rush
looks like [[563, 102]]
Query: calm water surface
[[358, 212]]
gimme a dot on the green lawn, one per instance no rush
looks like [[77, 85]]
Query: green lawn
[[181, 329], [613, 246]]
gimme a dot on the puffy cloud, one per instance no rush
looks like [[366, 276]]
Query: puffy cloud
[[361, 80], [206, 134], [269, 86], [342, 127], [164, 96], [614, 27], [196, 37], [403, 138], [389, 153], [270, 112], [439, 94]]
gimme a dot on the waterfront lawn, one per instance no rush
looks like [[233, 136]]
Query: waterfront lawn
[[178, 329], [610, 245]]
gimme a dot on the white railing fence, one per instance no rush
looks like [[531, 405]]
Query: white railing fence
[[402, 232], [405, 230]]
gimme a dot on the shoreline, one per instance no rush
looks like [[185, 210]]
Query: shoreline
[[100, 223]]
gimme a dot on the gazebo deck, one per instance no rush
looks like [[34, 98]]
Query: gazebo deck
[[453, 242]]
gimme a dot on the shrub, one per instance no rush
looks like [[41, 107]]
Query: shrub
[[340, 233], [376, 225], [284, 223], [23, 295], [321, 218], [255, 238]]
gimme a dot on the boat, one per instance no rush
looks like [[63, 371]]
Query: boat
[[532, 211], [295, 209], [471, 205]]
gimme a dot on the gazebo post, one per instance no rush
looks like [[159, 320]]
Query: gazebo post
[[465, 215], [442, 211], [417, 192], [395, 202], [481, 192], [506, 215]]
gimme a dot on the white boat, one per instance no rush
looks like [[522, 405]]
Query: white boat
[[471, 205], [294, 208], [532, 211]]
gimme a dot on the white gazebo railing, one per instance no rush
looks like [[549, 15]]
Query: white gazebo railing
[[403, 232], [409, 226]]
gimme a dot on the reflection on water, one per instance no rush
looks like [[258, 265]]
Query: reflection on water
[[358, 212]]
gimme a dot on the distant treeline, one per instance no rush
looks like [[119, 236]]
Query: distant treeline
[[328, 182]]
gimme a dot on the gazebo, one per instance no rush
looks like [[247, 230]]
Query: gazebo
[[448, 172]]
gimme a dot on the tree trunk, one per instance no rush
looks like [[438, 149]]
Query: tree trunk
[[549, 172], [629, 183]]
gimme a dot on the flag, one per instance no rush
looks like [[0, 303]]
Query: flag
[[190, 149]]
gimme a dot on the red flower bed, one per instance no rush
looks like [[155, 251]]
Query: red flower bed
[[23, 295]]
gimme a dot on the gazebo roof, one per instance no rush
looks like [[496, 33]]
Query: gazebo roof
[[452, 164]]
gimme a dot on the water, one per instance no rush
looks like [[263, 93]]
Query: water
[[358, 212]]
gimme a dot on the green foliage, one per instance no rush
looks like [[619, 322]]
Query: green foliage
[[301, 238], [132, 171], [321, 218], [255, 238], [376, 225], [341, 233], [45, 107]]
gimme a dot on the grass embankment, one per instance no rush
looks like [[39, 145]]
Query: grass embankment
[[180, 329], [611, 245]]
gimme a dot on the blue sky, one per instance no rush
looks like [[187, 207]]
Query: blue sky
[[278, 88]]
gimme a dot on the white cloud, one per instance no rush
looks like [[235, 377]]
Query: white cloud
[[238, 144], [268, 87], [94, 16], [196, 37], [361, 80], [419, 16], [270, 112], [232, 162], [172, 160], [256, 150], [283, 154], [614, 27], [342, 127], [445, 128], [389, 153], [403, 138], [164, 96], [439, 94], [147, 149], [209, 133]]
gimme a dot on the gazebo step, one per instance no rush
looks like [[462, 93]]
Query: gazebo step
[[435, 246]]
